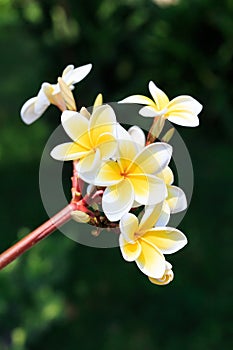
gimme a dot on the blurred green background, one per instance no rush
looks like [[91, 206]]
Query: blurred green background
[[61, 295]]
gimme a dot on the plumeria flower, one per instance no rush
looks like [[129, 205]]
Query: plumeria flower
[[50, 94], [181, 110], [131, 177], [166, 278], [146, 245], [176, 199], [93, 139]]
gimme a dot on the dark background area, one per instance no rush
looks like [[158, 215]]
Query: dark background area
[[61, 295]]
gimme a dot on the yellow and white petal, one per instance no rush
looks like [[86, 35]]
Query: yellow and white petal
[[148, 189], [47, 90], [76, 127], [69, 68], [107, 144], [109, 174], [151, 111], [164, 216], [127, 151], [152, 159], [151, 261], [176, 199], [117, 200], [138, 136], [72, 76], [167, 277], [130, 251], [88, 166], [128, 227], [183, 110], [184, 119], [168, 240], [185, 102], [98, 101], [166, 175], [102, 120], [69, 151], [28, 113], [85, 113], [121, 134], [43, 100], [150, 217], [139, 99], [159, 96]]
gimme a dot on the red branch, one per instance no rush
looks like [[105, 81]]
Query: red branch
[[37, 235]]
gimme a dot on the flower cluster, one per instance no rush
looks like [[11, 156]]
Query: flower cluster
[[128, 175]]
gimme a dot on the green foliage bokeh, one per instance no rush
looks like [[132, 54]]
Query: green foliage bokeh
[[61, 295]]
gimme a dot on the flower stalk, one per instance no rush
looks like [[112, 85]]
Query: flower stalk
[[37, 235]]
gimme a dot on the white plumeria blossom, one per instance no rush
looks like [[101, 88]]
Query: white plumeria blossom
[[146, 245], [93, 139], [131, 177], [50, 94], [182, 110]]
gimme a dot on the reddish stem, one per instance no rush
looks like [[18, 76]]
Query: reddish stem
[[37, 235]]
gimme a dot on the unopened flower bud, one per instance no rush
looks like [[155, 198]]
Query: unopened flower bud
[[80, 216]]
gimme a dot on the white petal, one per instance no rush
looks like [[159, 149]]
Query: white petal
[[68, 151], [85, 113], [76, 127], [166, 175], [121, 134], [151, 261], [118, 200], [150, 217], [139, 99], [69, 68], [42, 102], [152, 159], [128, 227], [102, 120], [183, 110], [164, 216], [107, 144], [137, 135], [168, 240], [148, 189], [127, 151], [98, 101], [130, 252], [185, 102], [159, 96], [88, 166], [108, 174], [74, 76], [43, 97], [150, 111], [28, 113], [184, 119], [176, 199]]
